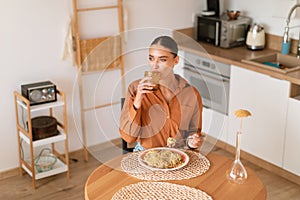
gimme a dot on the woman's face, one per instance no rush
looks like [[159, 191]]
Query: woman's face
[[162, 60]]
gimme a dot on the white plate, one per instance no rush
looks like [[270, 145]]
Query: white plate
[[184, 156]]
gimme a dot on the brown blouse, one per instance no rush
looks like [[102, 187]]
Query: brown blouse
[[156, 119]]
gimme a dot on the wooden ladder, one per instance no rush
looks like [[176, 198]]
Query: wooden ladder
[[108, 56]]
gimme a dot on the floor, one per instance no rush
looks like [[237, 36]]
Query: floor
[[58, 187]]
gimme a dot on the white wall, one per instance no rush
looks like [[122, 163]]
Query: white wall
[[162, 13], [270, 13], [31, 38]]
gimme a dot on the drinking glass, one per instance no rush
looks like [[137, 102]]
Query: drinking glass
[[155, 77]]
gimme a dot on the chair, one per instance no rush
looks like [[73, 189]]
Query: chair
[[125, 147]]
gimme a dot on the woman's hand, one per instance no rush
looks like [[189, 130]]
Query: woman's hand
[[195, 141], [144, 86]]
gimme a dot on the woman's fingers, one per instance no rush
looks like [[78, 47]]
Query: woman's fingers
[[145, 87]]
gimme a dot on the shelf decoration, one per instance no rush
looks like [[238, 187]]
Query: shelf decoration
[[237, 173], [45, 161]]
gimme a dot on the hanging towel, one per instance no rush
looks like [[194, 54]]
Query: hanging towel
[[68, 52]]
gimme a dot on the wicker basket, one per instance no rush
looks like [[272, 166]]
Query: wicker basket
[[45, 161]]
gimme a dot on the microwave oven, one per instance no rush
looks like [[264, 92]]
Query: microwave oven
[[220, 31]]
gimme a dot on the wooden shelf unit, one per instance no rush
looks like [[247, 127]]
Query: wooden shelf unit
[[25, 134]]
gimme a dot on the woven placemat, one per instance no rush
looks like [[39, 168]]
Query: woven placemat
[[197, 166], [159, 190]]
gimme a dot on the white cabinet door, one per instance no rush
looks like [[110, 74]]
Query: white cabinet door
[[266, 98], [292, 143], [215, 124]]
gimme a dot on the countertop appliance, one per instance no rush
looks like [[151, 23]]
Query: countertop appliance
[[213, 8], [256, 37], [211, 79], [39, 93], [221, 31]]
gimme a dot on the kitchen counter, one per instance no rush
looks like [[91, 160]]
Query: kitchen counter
[[233, 56]]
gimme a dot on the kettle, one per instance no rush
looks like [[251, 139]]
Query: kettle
[[256, 37]]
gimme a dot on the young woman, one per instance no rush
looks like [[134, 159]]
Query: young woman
[[149, 116]]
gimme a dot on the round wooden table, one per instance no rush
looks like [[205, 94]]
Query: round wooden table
[[108, 178]]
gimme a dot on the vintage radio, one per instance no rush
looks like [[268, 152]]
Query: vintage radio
[[39, 93]]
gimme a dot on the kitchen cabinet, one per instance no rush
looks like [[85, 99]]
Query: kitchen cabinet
[[24, 114], [291, 160], [215, 124], [267, 99]]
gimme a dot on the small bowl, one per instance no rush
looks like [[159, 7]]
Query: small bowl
[[45, 163], [233, 14]]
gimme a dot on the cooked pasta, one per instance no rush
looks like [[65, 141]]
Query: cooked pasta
[[163, 159], [171, 142]]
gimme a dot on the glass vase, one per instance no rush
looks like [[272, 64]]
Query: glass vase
[[237, 173]]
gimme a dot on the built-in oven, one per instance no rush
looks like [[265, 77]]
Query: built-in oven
[[211, 79]]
